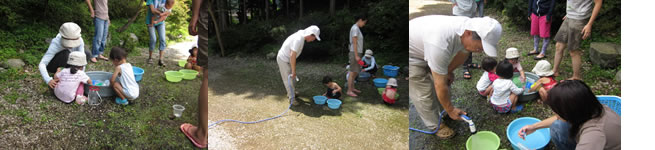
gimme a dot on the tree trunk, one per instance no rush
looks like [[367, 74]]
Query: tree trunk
[[300, 9], [244, 11], [332, 7], [286, 7], [218, 33], [221, 14], [138, 12], [266, 8]]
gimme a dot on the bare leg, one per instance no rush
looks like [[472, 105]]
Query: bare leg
[[119, 90], [351, 84], [513, 97], [188, 66], [576, 63], [559, 50], [200, 134], [543, 95]]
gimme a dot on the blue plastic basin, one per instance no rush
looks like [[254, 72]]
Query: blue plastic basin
[[334, 103], [320, 100], [537, 140], [391, 71], [380, 82], [138, 73]]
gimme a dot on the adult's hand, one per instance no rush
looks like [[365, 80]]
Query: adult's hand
[[564, 18], [526, 130], [293, 75], [53, 83], [358, 58], [192, 28], [455, 114], [93, 14], [586, 31]]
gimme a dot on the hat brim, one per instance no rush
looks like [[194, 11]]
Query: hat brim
[[489, 48], [70, 43], [317, 38], [545, 73]]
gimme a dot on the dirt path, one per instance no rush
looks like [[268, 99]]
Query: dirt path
[[33, 118], [250, 89]]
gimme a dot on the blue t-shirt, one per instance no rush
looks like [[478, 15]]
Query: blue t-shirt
[[157, 4]]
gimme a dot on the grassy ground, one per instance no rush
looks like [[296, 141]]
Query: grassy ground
[[32, 117], [464, 95], [250, 89]]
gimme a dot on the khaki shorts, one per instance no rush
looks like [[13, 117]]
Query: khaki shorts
[[569, 33], [203, 37], [354, 65]]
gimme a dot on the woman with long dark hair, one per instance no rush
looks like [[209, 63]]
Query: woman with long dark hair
[[580, 121]]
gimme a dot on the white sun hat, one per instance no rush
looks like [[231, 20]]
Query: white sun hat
[[76, 59], [392, 82], [512, 53], [70, 35], [542, 68]]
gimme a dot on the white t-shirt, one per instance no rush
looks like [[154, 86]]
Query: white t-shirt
[[294, 42], [355, 32], [484, 82], [128, 81], [502, 90], [436, 39]]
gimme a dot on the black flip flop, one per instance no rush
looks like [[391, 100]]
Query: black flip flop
[[473, 65], [535, 53], [467, 73], [538, 58]]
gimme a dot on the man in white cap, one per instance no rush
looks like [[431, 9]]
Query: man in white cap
[[437, 46], [69, 39], [356, 47], [290, 50]]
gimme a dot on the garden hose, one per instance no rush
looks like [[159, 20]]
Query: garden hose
[[291, 101]]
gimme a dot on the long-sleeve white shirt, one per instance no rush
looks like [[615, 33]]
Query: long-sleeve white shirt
[[502, 90], [54, 48]]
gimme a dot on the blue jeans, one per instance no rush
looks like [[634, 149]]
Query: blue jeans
[[100, 39], [559, 134], [161, 32], [480, 8]]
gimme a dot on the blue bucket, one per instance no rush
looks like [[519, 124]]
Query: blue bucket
[[380, 82], [537, 140], [333, 103], [138, 73], [391, 71], [320, 100], [611, 101]]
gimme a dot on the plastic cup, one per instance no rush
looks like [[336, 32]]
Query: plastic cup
[[177, 110]]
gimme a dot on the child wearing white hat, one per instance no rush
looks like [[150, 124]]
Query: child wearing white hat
[[546, 80], [512, 55], [369, 63], [71, 79], [389, 94]]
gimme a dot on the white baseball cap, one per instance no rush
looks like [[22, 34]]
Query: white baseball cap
[[542, 68], [313, 29], [76, 59], [70, 35], [368, 53], [489, 31], [512, 53], [392, 82]]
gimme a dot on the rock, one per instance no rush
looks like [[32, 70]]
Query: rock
[[606, 55], [271, 55], [2, 70], [618, 76], [134, 38], [406, 70], [15, 63]]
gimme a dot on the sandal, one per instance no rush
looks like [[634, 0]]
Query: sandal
[[533, 52], [517, 109], [540, 56], [445, 132], [149, 61], [161, 63], [473, 65], [185, 129], [467, 74]]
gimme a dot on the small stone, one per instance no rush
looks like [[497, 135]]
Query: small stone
[[618, 76], [171, 116], [15, 63], [134, 38], [2, 70]]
